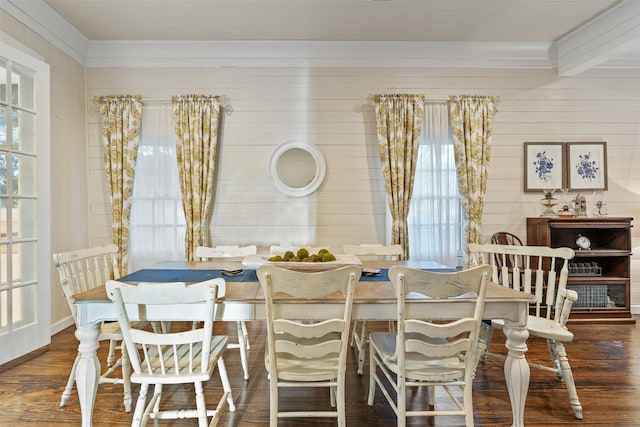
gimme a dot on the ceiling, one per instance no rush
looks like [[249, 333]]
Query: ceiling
[[329, 20], [570, 35]]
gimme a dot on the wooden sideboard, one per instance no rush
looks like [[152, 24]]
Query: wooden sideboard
[[601, 275]]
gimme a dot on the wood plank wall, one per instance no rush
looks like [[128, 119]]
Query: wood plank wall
[[328, 107]]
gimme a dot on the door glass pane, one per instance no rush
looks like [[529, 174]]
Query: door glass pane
[[22, 131], [23, 304], [4, 284], [23, 175], [4, 312], [23, 262], [3, 174], [3, 79], [23, 219], [3, 126], [4, 221], [22, 87]]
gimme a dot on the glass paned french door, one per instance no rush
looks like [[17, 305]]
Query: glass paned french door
[[24, 285]]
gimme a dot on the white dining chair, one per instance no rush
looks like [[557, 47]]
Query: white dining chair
[[543, 272], [225, 252], [163, 358], [369, 252], [82, 270], [429, 354], [222, 251], [302, 353]]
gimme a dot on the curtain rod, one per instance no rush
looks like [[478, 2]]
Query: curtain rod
[[224, 102]]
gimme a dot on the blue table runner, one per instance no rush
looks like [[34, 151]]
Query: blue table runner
[[248, 275]]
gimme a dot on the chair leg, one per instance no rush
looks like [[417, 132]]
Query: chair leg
[[126, 378], [372, 374], [70, 382], [332, 396], [243, 343], [354, 335], [273, 402], [246, 335], [468, 405], [484, 339], [432, 396], [226, 386], [140, 406], [113, 344], [340, 402], [560, 354], [200, 405], [401, 382], [361, 344], [157, 391]]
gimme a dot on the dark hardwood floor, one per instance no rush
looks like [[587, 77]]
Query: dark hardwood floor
[[605, 361]]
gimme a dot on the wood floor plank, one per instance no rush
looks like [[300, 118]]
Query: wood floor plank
[[605, 361]]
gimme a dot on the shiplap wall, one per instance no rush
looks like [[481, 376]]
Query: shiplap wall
[[328, 107]]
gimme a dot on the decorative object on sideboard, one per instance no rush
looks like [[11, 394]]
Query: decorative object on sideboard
[[600, 203], [580, 205], [584, 269], [566, 205], [548, 201], [583, 242]]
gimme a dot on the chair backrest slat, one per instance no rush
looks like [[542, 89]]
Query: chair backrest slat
[[85, 269], [545, 275], [177, 352], [374, 251], [438, 339], [308, 342], [230, 251]]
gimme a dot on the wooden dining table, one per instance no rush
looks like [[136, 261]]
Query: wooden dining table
[[244, 300]]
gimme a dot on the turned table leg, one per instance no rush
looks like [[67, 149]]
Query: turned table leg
[[516, 369], [88, 370]]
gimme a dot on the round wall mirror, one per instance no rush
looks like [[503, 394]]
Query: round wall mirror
[[297, 168]]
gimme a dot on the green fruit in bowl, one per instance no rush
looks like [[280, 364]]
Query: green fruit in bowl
[[328, 257]]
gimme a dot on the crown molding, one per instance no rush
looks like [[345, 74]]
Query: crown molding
[[7, 40], [600, 42], [44, 20], [597, 44], [189, 54]]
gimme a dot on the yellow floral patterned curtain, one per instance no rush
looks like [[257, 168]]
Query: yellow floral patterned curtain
[[120, 135], [196, 120], [471, 122], [399, 120]]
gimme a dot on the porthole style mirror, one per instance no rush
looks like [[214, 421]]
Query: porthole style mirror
[[297, 168]]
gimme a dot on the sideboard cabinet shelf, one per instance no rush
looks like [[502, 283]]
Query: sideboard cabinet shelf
[[601, 275]]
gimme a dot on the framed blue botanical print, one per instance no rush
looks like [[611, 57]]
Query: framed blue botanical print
[[586, 166], [544, 164]]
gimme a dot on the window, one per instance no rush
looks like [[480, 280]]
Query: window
[[436, 220], [157, 220]]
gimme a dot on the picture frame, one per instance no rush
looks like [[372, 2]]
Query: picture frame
[[586, 166], [544, 160]]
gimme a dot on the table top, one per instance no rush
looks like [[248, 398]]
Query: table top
[[378, 292]]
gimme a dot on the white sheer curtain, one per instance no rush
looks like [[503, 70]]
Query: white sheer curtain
[[435, 214], [157, 219]]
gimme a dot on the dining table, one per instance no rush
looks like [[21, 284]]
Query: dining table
[[243, 300]]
